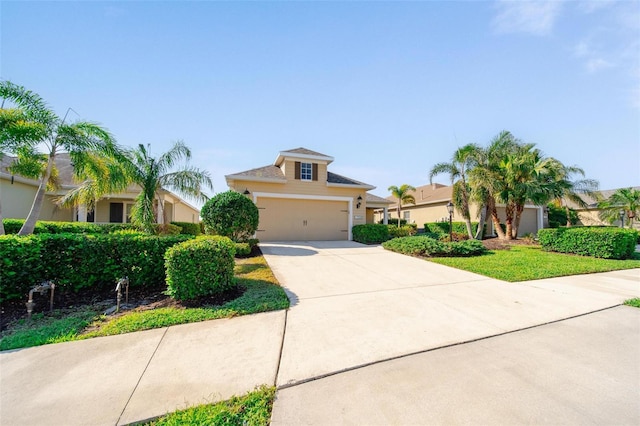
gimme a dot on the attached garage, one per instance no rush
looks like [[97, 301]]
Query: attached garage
[[294, 219]]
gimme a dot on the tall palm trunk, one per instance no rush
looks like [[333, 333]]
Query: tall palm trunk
[[509, 211], [566, 209], [30, 223], [483, 218], [516, 221], [466, 215], [491, 206]]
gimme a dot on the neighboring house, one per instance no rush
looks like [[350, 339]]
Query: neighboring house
[[17, 194], [431, 206], [591, 215], [299, 199]]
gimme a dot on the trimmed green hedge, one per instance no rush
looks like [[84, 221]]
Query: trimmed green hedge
[[12, 226], [402, 231], [370, 233], [188, 228], [443, 227], [200, 267], [80, 261], [428, 247], [603, 242], [232, 215]]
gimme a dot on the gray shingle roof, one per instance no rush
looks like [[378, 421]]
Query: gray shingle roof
[[336, 178], [304, 151], [62, 161], [375, 199], [267, 172]]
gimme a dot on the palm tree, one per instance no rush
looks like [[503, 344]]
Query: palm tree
[[486, 180], [403, 196], [105, 175], [626, 199], [463, 160], [567, 189], [56, 136]]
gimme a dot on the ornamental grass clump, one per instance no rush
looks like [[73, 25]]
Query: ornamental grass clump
[[200, 267]]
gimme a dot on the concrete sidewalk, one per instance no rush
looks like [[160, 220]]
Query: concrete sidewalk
[[584, 370], [131, 377]]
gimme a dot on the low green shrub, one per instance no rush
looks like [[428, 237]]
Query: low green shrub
[[370, 233], [79, 261], [166, 229], [200, 267], [427, 247], [457, 236], [402, 231], [393, 221], [443, 227], [188, 228], [243, 249], [603, 242]]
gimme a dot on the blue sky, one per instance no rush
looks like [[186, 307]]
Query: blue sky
[[386, 88]]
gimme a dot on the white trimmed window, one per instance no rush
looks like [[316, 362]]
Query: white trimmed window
[[407, 216], [306, 171]]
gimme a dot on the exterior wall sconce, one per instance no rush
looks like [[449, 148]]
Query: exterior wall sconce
[[359, 203], [246, 192]]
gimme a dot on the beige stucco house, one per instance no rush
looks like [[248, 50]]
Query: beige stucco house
[[298, 198], [590, 216], [431, 206], [17, 194]]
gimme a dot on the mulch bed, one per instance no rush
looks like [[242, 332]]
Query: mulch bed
[[498, 244], [101, 300]]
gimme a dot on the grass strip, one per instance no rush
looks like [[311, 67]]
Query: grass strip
[[633, 302], [253, 408], [525, 263], [262, 294]]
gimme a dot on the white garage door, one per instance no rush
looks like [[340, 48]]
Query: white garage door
[[284, 219]]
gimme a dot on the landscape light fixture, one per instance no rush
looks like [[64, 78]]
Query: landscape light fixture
[[621, 218], [359, 201], [450, 210]]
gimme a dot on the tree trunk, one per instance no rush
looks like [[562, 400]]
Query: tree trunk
[[516, 222], [399, 210], [34, 214], [509, 210], [495, 219], [566, 208], [482, 220], [466, 215]]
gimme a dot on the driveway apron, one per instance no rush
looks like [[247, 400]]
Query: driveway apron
[[354, 305]]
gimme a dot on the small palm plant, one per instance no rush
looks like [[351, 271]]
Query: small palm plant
[[403, 196], [624, 199]]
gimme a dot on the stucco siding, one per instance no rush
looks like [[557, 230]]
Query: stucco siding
[[16, 199]]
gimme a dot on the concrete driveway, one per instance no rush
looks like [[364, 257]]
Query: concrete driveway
[[355, 308]]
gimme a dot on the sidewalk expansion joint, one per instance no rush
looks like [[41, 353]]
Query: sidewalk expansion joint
[[284, 332], [141, 376], [393, 358]]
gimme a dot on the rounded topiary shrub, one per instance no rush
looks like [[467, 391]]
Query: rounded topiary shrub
[[200, 267], [232, 215]]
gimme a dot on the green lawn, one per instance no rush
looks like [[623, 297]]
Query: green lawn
[[524, 263], [252, 409], [263, 293]]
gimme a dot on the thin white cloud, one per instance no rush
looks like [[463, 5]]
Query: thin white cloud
[[531, 17], [597, 64], [591, 6]]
